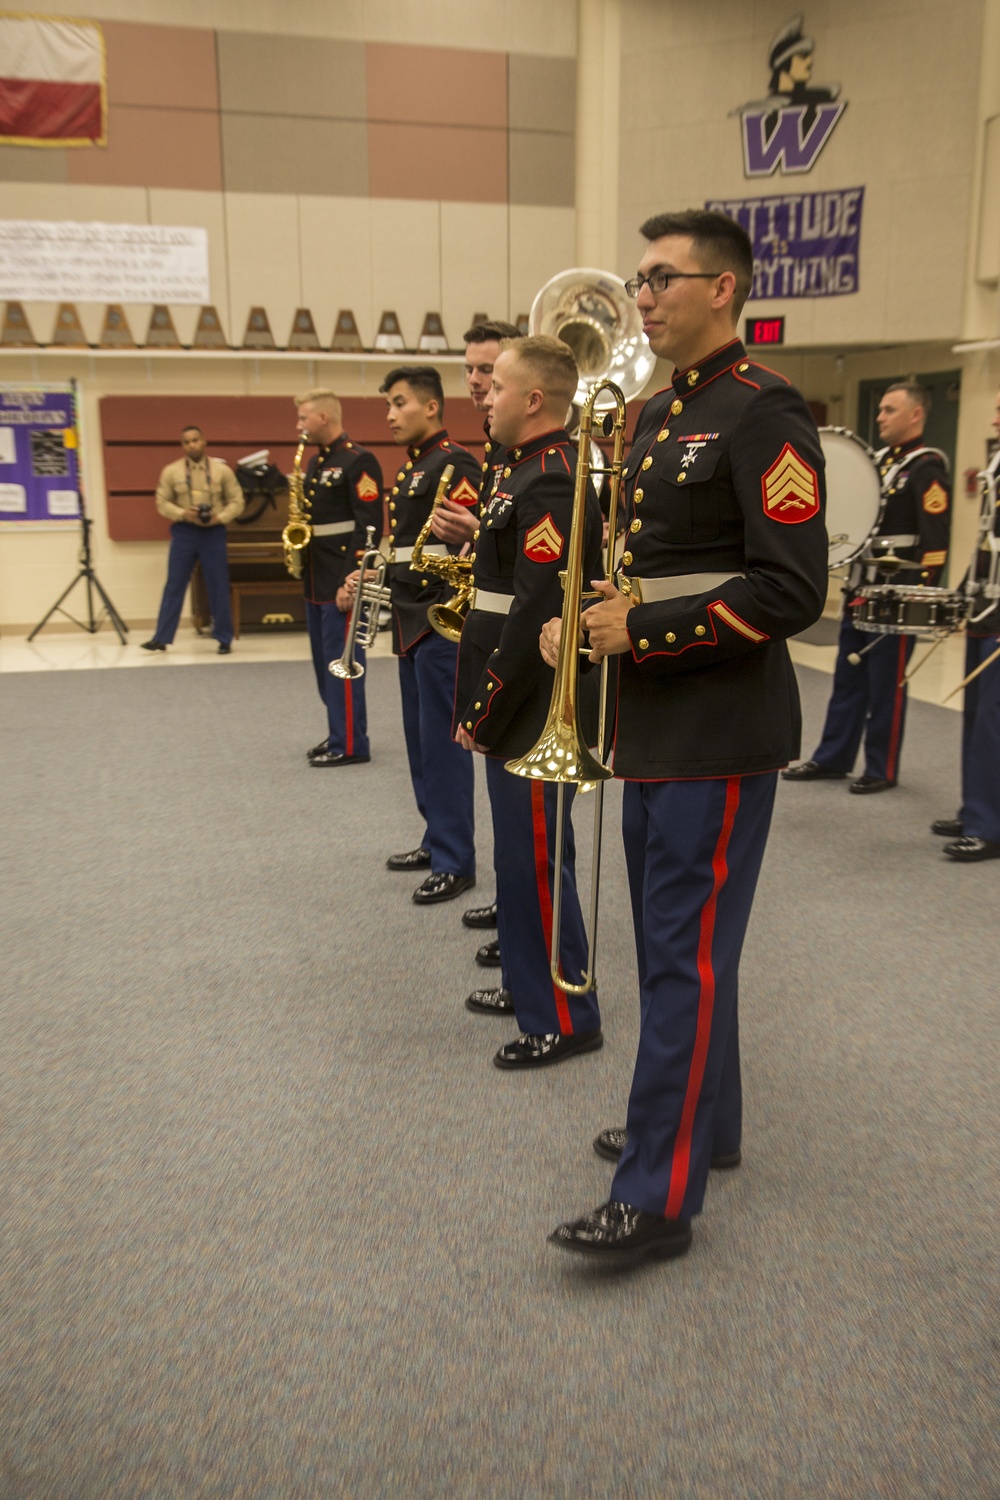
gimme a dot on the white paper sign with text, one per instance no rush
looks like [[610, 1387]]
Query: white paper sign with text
[[68, 262]]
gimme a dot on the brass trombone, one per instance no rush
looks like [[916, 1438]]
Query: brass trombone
[[561, 753], [372, 594], [447, 618]]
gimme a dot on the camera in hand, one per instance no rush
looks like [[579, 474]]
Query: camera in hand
[[204, 514]]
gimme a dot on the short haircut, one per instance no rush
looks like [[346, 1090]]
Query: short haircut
[[550, 365], [192, 427], [323, 399], [423, 379], [489, 330], [718, 243], [918, 394]]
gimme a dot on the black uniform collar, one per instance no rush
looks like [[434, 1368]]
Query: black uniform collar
[[341, 441], [528, 450], [435, 440], [902, 449], [689, 382]]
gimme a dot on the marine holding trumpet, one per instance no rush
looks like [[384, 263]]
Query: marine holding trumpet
[[504, 690], [441, 774], [342, 489], [725, 557]]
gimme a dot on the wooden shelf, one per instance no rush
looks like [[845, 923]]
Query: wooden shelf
[[297, 356]]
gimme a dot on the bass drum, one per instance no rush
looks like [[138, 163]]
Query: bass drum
[[854, 501]]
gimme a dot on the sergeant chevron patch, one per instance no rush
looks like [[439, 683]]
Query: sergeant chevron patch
[[464, 493], [367, 488], [790, 488], [544, 541], [935, 499]]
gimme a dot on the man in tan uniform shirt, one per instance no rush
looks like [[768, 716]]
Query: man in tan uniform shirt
[[200, 496]]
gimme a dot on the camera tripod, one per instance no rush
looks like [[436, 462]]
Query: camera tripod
[[95, 617]]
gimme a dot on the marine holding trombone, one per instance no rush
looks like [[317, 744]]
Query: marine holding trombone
[[504, 690], [725, 557]]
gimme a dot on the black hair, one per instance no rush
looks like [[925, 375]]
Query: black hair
[[918, 394], [423, 379], [490, 329], [715, 238], [192, 427]]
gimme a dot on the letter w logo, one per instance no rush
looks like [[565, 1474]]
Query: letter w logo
[[787, 146]]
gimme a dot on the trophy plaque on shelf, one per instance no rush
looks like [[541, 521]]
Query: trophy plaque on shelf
[[432, 336], [161, 333], [16, 332], [68, 331], [258, 333], [303, 334], [209, 334], [389, 338], [115, 332], [346, 338]]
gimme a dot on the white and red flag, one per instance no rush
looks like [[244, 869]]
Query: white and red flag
[[52, 82]]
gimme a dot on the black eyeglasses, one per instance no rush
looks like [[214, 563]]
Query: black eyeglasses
[[658, 281]]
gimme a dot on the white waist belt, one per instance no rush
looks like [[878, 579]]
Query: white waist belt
[[333, 528], [652, 590], [492, 604], [405, 554]]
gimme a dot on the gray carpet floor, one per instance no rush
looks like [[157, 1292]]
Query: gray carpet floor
[[272, 1226]]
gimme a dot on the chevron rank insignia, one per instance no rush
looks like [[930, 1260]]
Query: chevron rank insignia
[[544, 541], [464, 493], [367, 488], [935, 499], [790, 488]]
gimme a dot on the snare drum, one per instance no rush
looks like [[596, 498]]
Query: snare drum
[[894, 609], [854, 500]]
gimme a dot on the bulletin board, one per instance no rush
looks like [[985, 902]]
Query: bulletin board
[[39, 454]]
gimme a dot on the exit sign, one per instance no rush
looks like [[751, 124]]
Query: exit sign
[[764, 331]]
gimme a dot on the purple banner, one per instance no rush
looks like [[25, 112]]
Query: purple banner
[[38, 454], [804, 244]]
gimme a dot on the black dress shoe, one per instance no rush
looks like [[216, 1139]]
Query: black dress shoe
[[416, 859], [948, 828], [540, 1051], [490, 1002], [811, 770], [319, 749], [480, 916], [611, 1143], [866, 784], [225, 649], [621, 1235], [488, 956], [443, 887], [153, 645], [970, 849], [331, 758]]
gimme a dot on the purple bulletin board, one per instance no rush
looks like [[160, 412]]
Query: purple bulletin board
[[38, 453]]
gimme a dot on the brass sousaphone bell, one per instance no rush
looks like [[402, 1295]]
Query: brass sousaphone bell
[[592, 312]]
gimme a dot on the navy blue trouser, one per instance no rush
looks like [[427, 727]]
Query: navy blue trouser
[[524, 860], [867, 700], [190, 544], [346, 714], [441, 772], [693, 851], [980, 813]]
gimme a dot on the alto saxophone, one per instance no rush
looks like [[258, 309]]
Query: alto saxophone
[[448, 618], [298, 533]]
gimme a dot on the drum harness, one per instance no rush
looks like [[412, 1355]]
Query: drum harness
[[865, 570]]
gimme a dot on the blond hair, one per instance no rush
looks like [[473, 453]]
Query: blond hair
[[549, 364], [326, 401]]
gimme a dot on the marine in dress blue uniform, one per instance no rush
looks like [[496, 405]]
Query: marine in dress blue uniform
[[725, 557], [343, 485], [502, 700], [869, 688], [441, 773], [976, 830]]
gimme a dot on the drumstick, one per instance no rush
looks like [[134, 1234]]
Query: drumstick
[[966, 680], [926, 656], [854, 657]]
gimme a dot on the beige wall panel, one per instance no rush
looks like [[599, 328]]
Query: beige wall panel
[[205, 210], [290, 75], [542, 93], [542, 243], [473, 264], [508, 25], [75, 202], [33, 164], [924, 290], [267, 154], [336, 245], [406, 261], [264, 268], [542, 168]]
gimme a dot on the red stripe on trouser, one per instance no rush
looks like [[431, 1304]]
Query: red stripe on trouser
[[897, 712], [544, 894], [348, 719], [706, 1004]]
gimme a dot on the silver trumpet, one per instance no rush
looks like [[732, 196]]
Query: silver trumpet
[[372, 595]]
